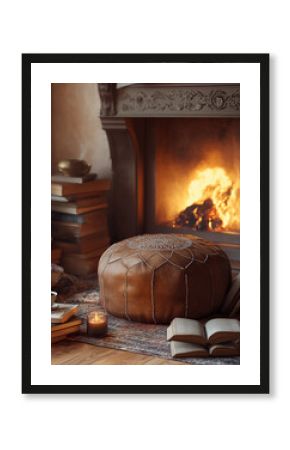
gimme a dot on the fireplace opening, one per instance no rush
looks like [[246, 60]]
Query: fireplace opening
[[193, 175]]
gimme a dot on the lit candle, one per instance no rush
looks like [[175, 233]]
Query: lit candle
[[97, 324]]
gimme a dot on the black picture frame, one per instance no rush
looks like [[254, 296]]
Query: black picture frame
[[263, 61]]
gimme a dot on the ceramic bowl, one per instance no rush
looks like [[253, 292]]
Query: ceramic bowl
[[73, 167]]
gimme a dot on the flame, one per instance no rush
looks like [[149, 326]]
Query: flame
[[214, 201]]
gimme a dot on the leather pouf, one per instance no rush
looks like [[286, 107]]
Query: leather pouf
[[155, 277]]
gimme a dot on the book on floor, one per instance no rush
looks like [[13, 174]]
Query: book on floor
[[58, 178], [217, 337], [97, 216], [214, 331], [79, 197], [84, 245], [62, 312], [187, 349], [72, 322], [69, 231], [75, 209], [65, 189], [66, 332], [61, 331]]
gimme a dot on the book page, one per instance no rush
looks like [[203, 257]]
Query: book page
[[187, 327], [62, 311], [186, 349], [224, 350], [222, 330]]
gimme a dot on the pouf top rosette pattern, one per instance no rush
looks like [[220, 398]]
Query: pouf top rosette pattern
[[155, 277]]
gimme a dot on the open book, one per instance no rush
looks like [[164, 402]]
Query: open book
[[217, 337], [62, 312], [185, 349]]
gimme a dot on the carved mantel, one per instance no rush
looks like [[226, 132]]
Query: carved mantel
[[170, 100]]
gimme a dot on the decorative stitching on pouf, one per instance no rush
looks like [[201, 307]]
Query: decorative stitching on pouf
[[159, 242]]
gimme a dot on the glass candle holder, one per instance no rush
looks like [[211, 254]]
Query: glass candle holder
[[97, 324]]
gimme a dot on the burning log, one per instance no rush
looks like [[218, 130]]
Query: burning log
[[200, 216]]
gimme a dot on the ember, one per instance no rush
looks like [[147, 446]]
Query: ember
[[200, 216], [214, 202]]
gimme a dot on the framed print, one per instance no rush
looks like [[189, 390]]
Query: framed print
[[146, 214]]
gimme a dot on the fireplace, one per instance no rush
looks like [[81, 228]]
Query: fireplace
[[175, 152]]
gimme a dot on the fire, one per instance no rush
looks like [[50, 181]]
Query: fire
[[214, 202]]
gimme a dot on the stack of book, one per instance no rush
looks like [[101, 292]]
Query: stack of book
[[79, 221], [217, 337], [63, 321]]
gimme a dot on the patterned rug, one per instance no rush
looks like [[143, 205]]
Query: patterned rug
[[134, 337]]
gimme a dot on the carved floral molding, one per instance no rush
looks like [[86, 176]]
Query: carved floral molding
[[175, 101], [170, 100]]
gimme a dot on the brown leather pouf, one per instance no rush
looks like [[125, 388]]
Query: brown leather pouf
[[156, 277]]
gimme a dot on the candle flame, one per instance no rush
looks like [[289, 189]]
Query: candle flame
[[96, 318]]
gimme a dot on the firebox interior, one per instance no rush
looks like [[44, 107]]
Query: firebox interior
[[192, 175]]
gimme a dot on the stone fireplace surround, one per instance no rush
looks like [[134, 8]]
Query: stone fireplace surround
[[126, 111]]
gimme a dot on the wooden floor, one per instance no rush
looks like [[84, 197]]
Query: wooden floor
[[77, 353]]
